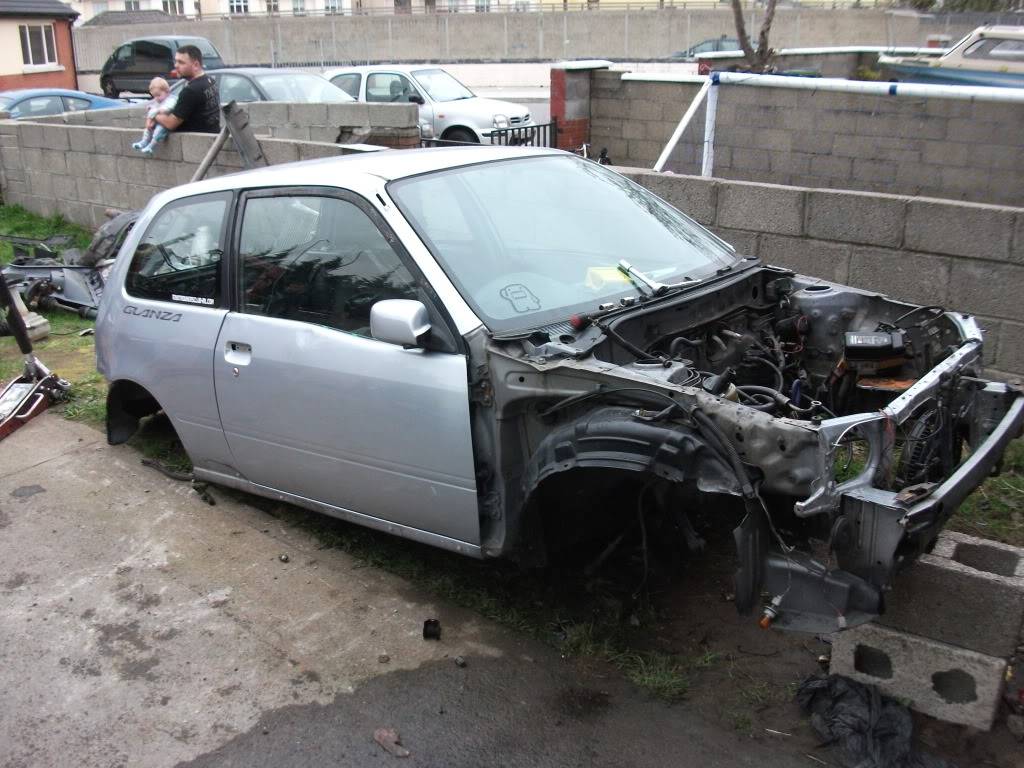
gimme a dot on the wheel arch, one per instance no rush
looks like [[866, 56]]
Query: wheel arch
[[127, 403]]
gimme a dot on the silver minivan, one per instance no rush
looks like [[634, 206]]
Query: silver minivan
[[508, 351], [448, 109]]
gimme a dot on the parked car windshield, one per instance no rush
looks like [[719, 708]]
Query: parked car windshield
[[441, 86], [5, 102], [531, 241], [296, 86]]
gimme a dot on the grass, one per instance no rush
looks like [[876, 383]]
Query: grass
[[15, 220]]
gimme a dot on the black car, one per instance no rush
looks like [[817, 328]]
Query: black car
[[134, 63], [713, 45]]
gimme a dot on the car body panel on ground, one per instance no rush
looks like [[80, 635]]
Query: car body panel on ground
[[449, 345], [448, 110]]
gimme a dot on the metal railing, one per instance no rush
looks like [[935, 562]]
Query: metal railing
[[461, 7], [543, 135]]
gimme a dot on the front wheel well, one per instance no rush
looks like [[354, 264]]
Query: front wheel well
[[127, 403], [460, 133]]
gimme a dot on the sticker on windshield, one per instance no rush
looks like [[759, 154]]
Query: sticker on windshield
[[520, 297], [599, 278]]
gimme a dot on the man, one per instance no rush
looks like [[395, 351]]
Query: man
[[198, 107]]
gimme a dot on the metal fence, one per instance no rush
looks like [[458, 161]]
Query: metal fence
[[544, 135]]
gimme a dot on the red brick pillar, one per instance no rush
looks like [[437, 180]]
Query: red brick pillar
[[570, 100]]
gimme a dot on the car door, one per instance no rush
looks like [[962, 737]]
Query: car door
[[120, 67], [236, 88], [37, 106], [310, 404], [169, 314], [394, 87]]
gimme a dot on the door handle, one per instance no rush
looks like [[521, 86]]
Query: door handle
[[237, 353]]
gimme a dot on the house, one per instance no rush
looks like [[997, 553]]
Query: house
[[132, 11], [36, 50]]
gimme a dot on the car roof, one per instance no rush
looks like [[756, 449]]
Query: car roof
[[22, 92], [262, 71], [387, 165], [363, 68], [168, 38]]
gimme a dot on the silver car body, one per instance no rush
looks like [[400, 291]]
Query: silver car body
[[457, 447], [438, 119]]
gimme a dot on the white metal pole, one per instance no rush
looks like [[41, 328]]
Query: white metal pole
[[678, 133], [711, 112]]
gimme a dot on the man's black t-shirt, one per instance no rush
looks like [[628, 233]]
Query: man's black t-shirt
[[198, 106]]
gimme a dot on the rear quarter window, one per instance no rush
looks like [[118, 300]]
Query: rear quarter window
[[179, 258]]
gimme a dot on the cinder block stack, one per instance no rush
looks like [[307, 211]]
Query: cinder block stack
[[951, 623]]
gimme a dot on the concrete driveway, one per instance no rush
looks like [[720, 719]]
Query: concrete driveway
[[140, 626]]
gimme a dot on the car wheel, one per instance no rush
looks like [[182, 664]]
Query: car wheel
[[107, 86], [464, 135]]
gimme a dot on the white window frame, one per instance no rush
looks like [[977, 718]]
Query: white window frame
[[299, 7], [238, 7], [132, 5], [48, 64], [174, 7], [332, 6]]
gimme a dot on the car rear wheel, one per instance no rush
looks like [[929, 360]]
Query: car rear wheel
[[107, 86], [461, 134]]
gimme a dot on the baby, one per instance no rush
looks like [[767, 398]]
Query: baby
[[162, 102]]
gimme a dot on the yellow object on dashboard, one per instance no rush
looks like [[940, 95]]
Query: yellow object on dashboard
[[600, 277]]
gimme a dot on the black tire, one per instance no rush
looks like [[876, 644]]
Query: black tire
[[107, 86], [463, 135]]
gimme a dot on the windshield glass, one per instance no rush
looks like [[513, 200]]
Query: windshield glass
[[441, 86], [529, 242], [5, 101], [295, 86]]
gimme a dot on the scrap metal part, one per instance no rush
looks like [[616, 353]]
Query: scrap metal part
[[31, 393]]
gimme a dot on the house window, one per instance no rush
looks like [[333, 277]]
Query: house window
[[483, 6], [37, 45], [331, 6], [273, 6], [238, 6], [298, 7], [174, 7], [132, 5]]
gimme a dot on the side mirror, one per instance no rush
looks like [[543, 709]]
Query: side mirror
[[400, 321], [415, 98]]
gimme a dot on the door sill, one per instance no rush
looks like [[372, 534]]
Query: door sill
[[406, 532]]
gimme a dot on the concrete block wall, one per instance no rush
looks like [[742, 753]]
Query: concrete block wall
[[388, 125], [964, 256], [944, 148], [616, 34], [79, 171]]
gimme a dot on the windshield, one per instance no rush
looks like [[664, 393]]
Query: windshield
[[298, 87], [441, 86], [531, 241], [5, 101]]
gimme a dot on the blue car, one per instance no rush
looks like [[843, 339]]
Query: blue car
[[28, 103]]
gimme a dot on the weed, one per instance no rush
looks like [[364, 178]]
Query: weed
[[660, 674], [15, 220], [741, 721], [707, 659]]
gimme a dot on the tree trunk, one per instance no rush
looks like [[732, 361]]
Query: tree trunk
[[758, 59]]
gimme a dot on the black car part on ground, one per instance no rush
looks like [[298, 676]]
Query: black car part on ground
[[70, 279], [869, 730]]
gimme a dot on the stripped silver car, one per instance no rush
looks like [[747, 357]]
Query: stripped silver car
[[500, 351]]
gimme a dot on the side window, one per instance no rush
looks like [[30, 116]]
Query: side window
[[124, 53], [153, 56], [386, 86], [236, 88], [178, 259], [319, 260], [349, 83], [71, 104], [38, 107]]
